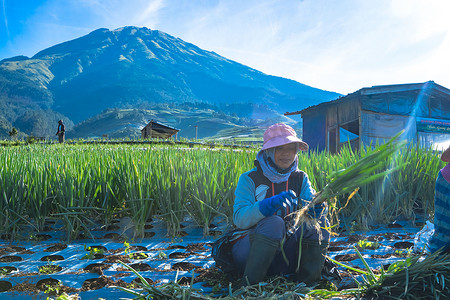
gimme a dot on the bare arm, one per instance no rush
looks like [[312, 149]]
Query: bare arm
[[446, 155]]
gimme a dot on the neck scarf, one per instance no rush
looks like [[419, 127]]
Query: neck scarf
[[270, 169]]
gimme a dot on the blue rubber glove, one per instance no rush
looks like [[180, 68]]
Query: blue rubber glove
[[316, 210], [269, 206]]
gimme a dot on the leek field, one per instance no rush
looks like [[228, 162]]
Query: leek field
[[85, 185]]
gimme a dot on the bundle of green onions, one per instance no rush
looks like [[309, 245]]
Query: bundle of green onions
[[348, 180], [414, 279]]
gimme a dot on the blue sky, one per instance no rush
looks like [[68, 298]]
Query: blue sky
[[336, 45]]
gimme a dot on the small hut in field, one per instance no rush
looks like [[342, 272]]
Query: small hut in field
[[157, 130], [376, 114]]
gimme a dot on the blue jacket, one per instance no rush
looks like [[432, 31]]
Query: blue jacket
[[253, 186]]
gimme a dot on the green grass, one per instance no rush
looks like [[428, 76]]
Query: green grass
[[82, 184]]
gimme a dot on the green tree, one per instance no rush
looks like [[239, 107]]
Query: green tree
[[13, 133]]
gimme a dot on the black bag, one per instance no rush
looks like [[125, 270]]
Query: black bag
[[221, 253], [330, 271]]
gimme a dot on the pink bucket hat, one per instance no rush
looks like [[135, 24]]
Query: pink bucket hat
[[281, 134]]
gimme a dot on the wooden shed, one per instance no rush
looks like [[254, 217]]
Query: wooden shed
[[377, 114], [157, 130]]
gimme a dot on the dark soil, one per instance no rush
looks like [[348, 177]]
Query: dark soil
[[368, 247], [28, 288], [10, 258], [42, 237], [113, 236], [97, 283], [381, 255], [115, 251], [138, 281], [394, 225], [179, 255], [175, 247], [56, 247], [335, 248], [121, 274], [96, 268], [346, 257], [12, 249], [7, 269], [355, 238], [52, 258], [149, 234], [138, 248], [403, 245], [94, 256], [196, 247], [184, 280], [5, 286], [100, 247], [375, 238], [138, 255], [47, 283], [111, 259], [211, 277], [189, 248], [183, 266], [50, 269], [141, 267]]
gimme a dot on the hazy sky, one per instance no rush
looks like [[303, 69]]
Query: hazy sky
[[336, 45]]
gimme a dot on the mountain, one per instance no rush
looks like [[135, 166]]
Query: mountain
[[130, 68], [210, 120]]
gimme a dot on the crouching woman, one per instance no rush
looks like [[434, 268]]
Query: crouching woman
[[265, 199]]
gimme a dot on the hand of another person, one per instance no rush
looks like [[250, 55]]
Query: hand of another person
[[316, 210], [270, 205]]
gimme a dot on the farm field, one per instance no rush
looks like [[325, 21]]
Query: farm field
[[91, 268], [158, 199]]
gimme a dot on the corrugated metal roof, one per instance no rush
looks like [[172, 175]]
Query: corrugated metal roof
[[380, 89]]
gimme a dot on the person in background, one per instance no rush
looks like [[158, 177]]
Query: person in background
[[441, 236], [61, 131], [264, 199]]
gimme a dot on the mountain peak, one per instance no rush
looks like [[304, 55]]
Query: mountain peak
[[135, 67], [130, 38]]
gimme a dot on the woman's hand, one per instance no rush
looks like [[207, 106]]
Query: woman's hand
[[270, 205]]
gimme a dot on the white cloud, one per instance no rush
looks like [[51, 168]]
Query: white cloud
[[150, 13]]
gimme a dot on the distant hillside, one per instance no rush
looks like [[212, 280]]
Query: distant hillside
[[131, 68], [210, 120]]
